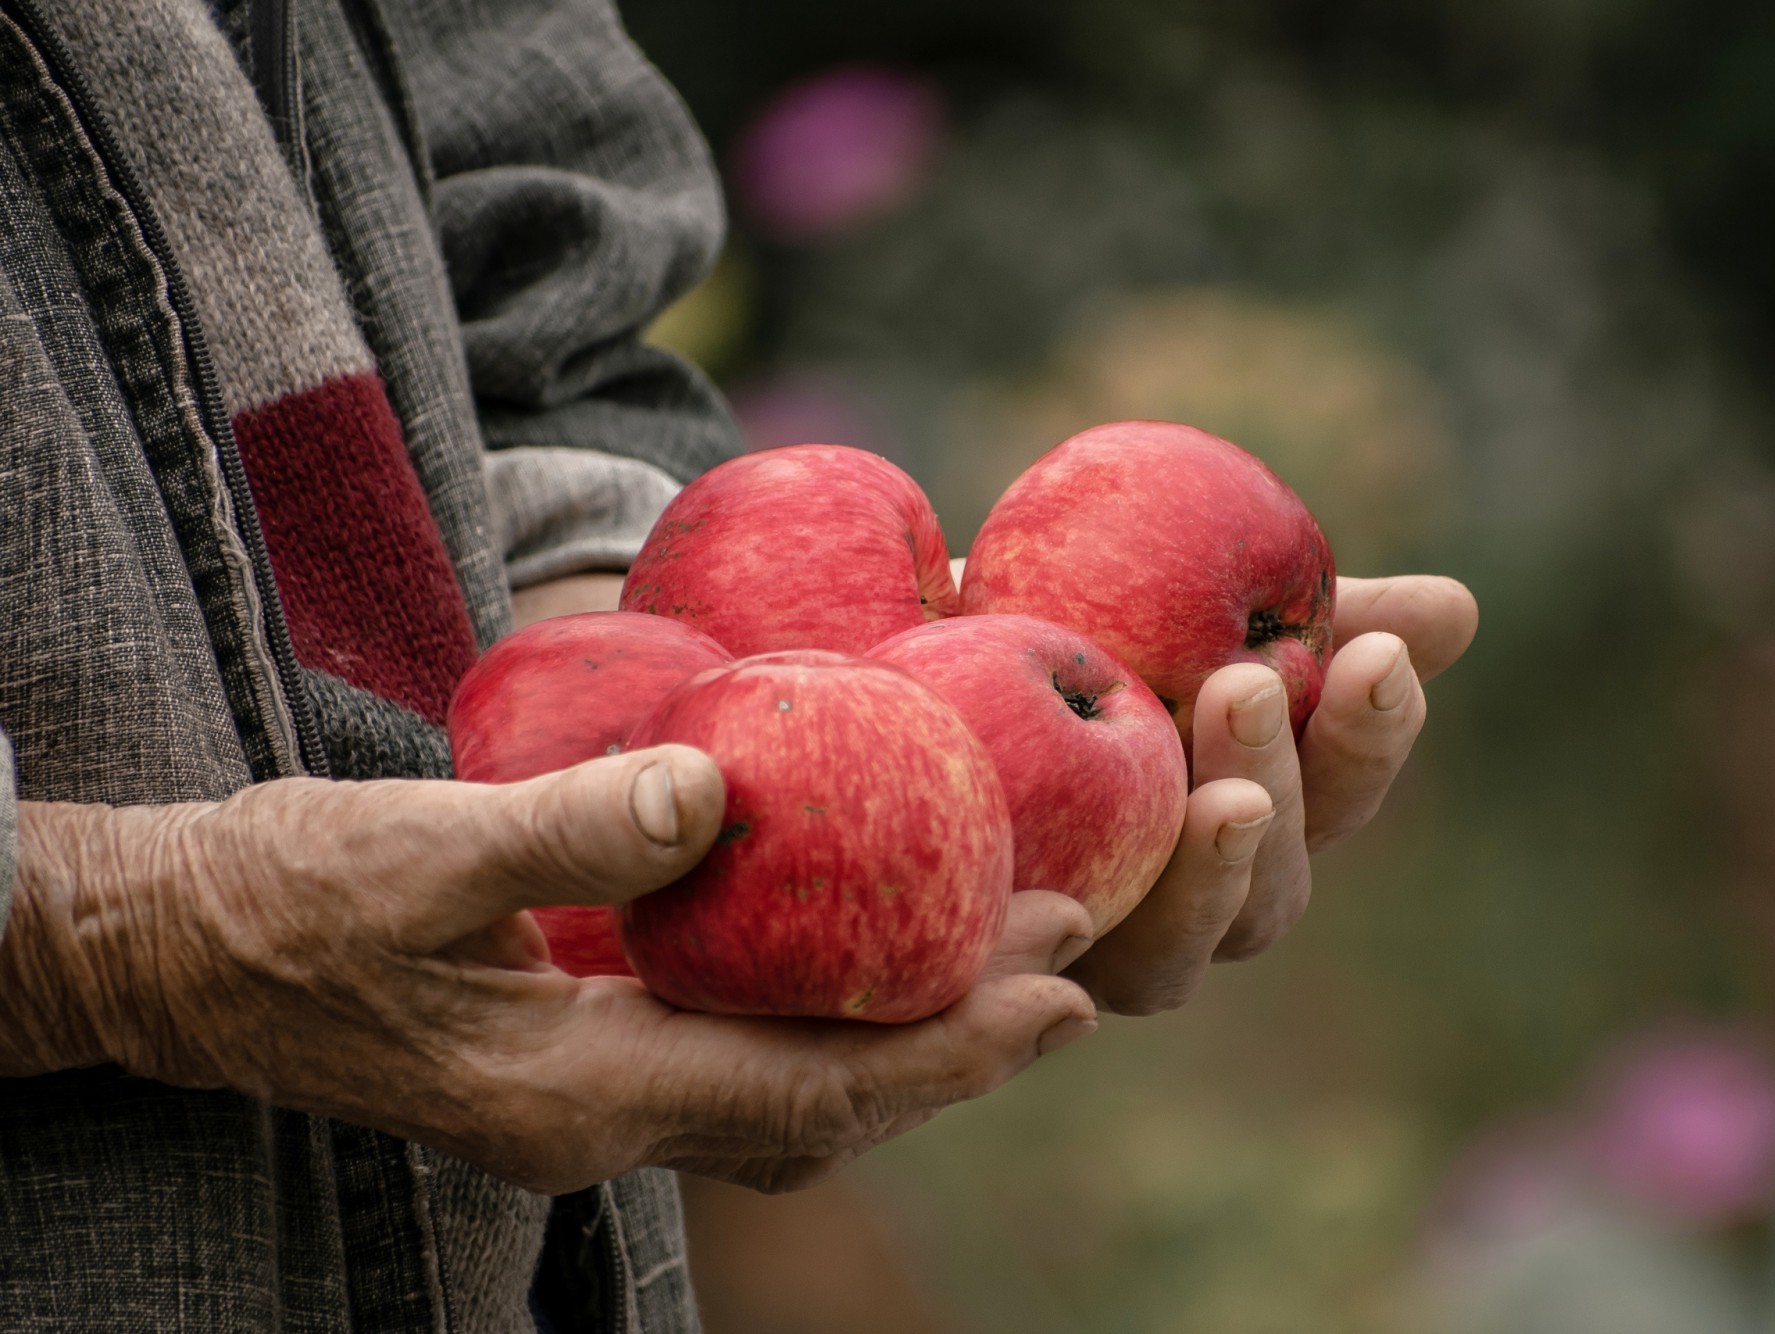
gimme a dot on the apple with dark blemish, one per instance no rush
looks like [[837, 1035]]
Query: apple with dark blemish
[[807, 546], [559, 692], [1176, 550], [865, 860], [1091, 764]]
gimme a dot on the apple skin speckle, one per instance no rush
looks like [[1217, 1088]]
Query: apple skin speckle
[[1174, 549], [730, 552], [1091, 762], [869, 780]]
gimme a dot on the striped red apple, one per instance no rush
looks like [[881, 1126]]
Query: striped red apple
[[556, 693], [1091, 764], [1176, 550], [864, 864], [808, 546]]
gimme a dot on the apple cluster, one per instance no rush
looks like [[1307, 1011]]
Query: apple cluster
[[901, 756]]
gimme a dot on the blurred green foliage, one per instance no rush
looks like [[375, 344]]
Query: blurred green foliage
[[1492, 286], [1675, 95]]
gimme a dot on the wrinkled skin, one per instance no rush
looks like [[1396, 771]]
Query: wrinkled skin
[[387, 975]]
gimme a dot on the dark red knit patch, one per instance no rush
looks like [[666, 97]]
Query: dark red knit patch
[[366, 582]]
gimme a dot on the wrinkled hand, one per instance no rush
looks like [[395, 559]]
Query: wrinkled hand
[[1240, 877], [358, 950]]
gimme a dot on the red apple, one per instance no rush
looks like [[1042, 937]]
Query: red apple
[[558, 692], [568, 689], [809, 546], [1090, 760], [864, 864], [1174, 549], [583, 940]]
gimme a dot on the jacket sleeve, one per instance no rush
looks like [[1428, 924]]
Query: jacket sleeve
[[573, 199], [8, 830]]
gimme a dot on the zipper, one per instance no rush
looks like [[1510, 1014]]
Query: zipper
[[209, 397], [580, 1284], [271, 44], [616, 1288]]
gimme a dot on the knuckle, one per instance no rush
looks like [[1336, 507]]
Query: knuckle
[[542, 847], [824, 1112], [1365, 752], [1148, 1000], [975, 1079], [1038, 930], [971, 1063], [1072, 919], [1207, 922], [573, 835], [1328, 833], [1245, 941], [1243, 946], [1323, 838]]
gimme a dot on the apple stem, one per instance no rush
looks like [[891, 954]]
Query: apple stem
[[1082, 704], [1263, 627]]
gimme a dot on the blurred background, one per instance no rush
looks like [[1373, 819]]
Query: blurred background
[[1493, 286]]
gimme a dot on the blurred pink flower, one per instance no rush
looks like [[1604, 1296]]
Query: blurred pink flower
[[836, 151], [1516, 1180], [1686, 1125], [798, 408]]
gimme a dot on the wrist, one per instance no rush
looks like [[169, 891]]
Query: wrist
[[80, 964], [566, 596]]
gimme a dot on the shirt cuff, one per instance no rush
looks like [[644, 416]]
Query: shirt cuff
[[560, 511]]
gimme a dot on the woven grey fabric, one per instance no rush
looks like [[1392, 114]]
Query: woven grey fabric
[[647, 1216], [123, 1209], [111, 690], [267, 340], [135, 640], [573, 200], [133, 668]]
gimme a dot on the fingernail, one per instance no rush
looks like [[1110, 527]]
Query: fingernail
[[1390, 691], [1257, 719], [1064, 1032], [653, 801], [1238, 839], [1069, 951]]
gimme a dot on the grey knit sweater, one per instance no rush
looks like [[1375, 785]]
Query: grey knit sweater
[[389, 255]]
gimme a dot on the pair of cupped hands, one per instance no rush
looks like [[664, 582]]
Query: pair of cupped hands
[[359, 950]]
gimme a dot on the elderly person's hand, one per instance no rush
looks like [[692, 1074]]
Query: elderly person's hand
[[358, 950], [1260, 805]]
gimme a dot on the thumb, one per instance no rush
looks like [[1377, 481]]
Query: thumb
[[599, 833]]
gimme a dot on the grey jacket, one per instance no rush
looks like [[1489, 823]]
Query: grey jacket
[[483, 202]]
